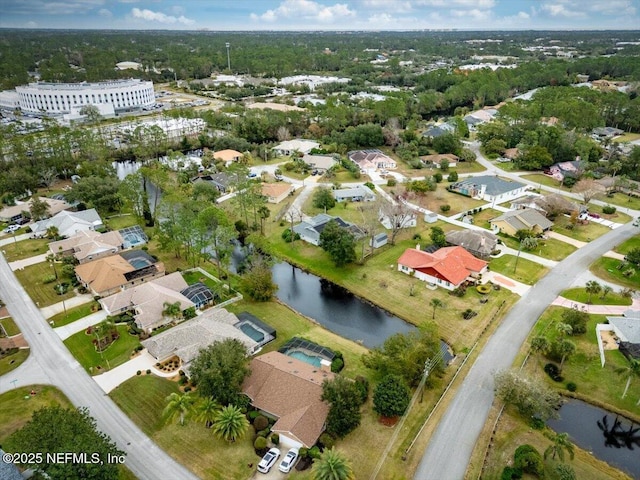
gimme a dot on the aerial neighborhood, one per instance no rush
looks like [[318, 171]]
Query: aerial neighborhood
[[329, 255]]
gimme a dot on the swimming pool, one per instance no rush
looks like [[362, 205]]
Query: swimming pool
[[138, 263], [252, 332], [305, 357]]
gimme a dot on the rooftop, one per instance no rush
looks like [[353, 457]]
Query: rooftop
[[494, 184]]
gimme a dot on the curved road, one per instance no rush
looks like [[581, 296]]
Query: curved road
[[51, 363], [451, 446]]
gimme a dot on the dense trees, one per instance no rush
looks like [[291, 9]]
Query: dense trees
[[529, 396], [345, 398], [59, 430], [339, 243], [391, 396]]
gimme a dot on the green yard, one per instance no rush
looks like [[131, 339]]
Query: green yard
[[43, 294], [25, 249], [13, 361], [526, 271], [9, 326], [580, 295], [482, 218], [433, 200], [82, 348], [545, 180], [74, 314], [623, 200], [550, 248], [118, 222], [607, 269], [628, 245], [584, 233]]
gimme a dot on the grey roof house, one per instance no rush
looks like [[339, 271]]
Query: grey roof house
[[69, 223], [319, 162], [310, 230], [477, 242], [527, 219], [360, 193], [546, 204], [490, 188]]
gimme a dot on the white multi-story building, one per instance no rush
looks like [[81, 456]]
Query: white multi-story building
[[63, 98]]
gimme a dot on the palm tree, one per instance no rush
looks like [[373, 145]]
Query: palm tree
[[263, 213], [206, 411], [178, 405], [332, 465], [606, 290], [564, 329], [436, 303], [540, 345], [631, 370], [171, 310], [230, 423], [591, 288], [560, 443], [565, 348]]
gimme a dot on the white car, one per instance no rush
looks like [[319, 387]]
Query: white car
[[289, 460], [11, 228], [269, 460]]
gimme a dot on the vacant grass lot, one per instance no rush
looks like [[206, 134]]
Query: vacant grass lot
[[9, 326], [623, 200], [526, 271], [584, 233], [482, 218], [25, 249], [11, 362], [73, 314], [118, 222], [433, 200], [142, 398], [580, 295], [628, 245], [550, 248], [43, 294], [81, 347], [607, 269], [545, 180]]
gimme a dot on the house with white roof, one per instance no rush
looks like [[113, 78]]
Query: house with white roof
[[69, 223], [288, 147], [87, 245]]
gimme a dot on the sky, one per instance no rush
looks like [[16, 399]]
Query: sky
[[247, 15]]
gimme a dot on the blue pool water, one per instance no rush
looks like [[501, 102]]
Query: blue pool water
[[139, 263], [252, 332], [310, 359]]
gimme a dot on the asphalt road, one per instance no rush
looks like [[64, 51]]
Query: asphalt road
[[51, 363], [451, 446]]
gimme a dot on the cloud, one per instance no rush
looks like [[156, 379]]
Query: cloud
[[31, 24], [151, 16], [307, 10], [62, 7], [103, 12], [612, 7], [561, 10], [478, 4], [396, 6], [474, 14]]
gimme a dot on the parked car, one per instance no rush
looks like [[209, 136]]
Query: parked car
[[593, 215], [269, 460], [289, 460], [637, 222], [11, 228]]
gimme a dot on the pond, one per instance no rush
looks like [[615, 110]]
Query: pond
[[613, 439], [337, 309]]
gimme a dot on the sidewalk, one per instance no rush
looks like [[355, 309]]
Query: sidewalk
[[597, 309], [6, 238], [66, 331], [25, 262], [565, 239], [59, 307]]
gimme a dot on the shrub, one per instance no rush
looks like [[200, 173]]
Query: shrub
[[468, 314], [260, 443], [437, 177], [187, 389], [445, 208], [391, 396], [363, 387], [453, 177], [510, 473], [529, 460], [49, 279], [577, 319], [139, 372], [303, 452], [608, 209], [483, 289], [314, 452], [553, 371], [337, 365], [326, 441], [572, 387], [148, 371], [260, 422], [253, 414], [275, 438], [264, 433], [391, 182], [287, 237], [537, 423], [459, 291], [183, 381], [416, 236]]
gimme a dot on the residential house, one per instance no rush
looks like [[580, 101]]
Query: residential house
[[478, 243], [436, 160], [620, 184], [626, 334], [436, 131], [223, 181], [187, 339], [311, 229], [478, 117], [276, 192], [526, 219], [69, 223], [371, 160], [511, 153], [14, 213], [360, 193], [321, 163], [290, 147], [607, 132], [447, 267], [109, 275], [548, 205], [562, 170], [87, 245], [489, 188], [147, 301], [290, 391], [227, 156]]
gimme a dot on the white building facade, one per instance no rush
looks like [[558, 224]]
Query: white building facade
[[62, 98]]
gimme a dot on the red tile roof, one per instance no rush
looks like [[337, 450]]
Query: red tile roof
[[453, 264]]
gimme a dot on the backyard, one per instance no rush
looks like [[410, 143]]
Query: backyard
[[82, 348], [520, 269]]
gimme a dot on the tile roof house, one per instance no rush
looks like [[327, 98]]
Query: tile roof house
[[514, 220], [447, 267], [371, 160], [290, 390], [437, 159], [311, 229], [88, 245], [227, 156], [188, 338], [109, 275], [478, 243], [319, 162], [276, 192], [69, 223], [298, 145], [360, 193], [560, 171], [148, 299], [546, 204], [13, 213], [490, 188]]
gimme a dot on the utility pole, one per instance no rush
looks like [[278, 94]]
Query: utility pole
[[517, 257], [228, 57]]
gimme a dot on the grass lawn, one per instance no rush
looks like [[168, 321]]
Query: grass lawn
[[550, 248], [465, 167], [482, 218], [542, 179], [527, 272], [607, 269], [118, 222], [11, 362], [584, 233], [25, 249], [142, 398], [42, 293], [628, 245], [627, 137], [623, 200], [433, 200], [617, 217], [73, 314], [9, 326], [580, 295], [81, 347]]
